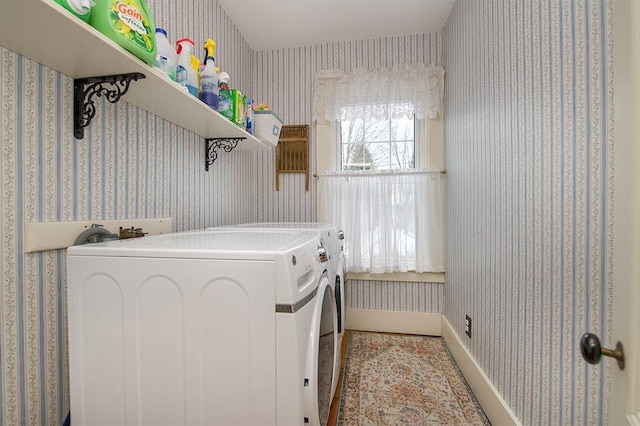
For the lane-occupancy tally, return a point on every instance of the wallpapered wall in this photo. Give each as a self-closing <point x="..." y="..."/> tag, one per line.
<point x="284" y="80"/>
<point x="529" y="174"/>
<point x="397" y="296"/>
<point x="133" y="164"/>
<point x="130" y="164"/>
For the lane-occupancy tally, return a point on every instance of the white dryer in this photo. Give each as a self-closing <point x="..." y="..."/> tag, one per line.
<point x="332" y="239"/>
<point x="201" y="328"/>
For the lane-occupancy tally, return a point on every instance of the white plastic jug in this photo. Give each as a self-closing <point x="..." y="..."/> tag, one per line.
<point x="166" y="56"/>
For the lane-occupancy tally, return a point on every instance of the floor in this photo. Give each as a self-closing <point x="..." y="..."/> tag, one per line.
<point x="335" y="403"/>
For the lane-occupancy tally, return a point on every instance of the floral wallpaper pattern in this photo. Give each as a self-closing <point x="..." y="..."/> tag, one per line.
<point x="133" y="164"/>
<point x="130" y="164"/>
<point x="529" y="160"/>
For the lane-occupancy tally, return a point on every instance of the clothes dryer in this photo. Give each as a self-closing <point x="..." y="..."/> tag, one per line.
<point x="332" y="238"/>
<point x="201" y="328"/>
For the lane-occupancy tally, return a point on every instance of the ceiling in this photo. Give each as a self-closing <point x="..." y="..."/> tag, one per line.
<point x="273" y="24"/>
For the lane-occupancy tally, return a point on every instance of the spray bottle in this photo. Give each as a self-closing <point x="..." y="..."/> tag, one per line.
<point x="195" y="64"/>
<point x="185" y="74"/>
<point x="209" y="79"/>
<point x="250" y="116"/>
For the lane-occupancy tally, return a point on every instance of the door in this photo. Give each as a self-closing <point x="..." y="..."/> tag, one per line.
<point x="321" y="356"/>
<point x="625" y="384"/>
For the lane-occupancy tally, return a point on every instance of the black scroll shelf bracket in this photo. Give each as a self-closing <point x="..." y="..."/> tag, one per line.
<point x="213" y="144"/>
<point x="113" y="87"/>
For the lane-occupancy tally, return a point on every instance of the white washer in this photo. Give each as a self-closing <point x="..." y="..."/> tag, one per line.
<point x="331" y="237"/>
<point x="201" y="328"/>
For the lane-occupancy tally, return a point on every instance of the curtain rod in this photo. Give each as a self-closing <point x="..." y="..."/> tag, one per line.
<point x="341" y="174"/>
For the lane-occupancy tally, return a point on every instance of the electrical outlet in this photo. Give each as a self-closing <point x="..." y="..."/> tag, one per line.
<point x="467" y="325"/>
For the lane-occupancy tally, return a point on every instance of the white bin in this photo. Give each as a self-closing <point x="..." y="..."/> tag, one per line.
<point x="267" y="126"/>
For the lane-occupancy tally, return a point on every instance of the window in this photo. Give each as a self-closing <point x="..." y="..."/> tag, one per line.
<point x="379" y="179"/>
<point x="376" y="144"/>
<point x="380" y="196"/>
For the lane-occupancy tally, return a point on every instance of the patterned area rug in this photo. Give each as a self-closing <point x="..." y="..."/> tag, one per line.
<point x="404" y="380"/>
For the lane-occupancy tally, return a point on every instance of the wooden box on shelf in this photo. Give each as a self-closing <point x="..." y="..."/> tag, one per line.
<point x="292" y="152"/>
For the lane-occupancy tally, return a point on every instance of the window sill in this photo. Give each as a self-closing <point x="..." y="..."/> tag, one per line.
<point x="424" y="277"/>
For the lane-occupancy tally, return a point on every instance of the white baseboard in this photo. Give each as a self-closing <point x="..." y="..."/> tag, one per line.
<point x="488" y="396"/>
<point x="414" y="277"/>
<point x="394" y="322"/>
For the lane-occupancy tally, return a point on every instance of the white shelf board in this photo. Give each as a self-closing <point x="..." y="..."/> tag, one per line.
<point x="43" y="31"/>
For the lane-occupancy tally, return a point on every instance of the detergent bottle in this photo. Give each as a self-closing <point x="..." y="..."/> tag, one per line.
<point x="185" y="74"/>
<point x="166" y="57"/>
<point x="80" y="8"/>
<point x="250" y="116"/>
<point x="209" y="88"/>
<point x="129" y="23"/>
<point x="225" y="106"/>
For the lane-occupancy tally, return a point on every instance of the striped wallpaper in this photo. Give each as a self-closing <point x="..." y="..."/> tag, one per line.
<point x="130" y="164"/>
<point x="394" y="296"/>
<point x="284" y="81"/>
<point x="528" y="126"/>
<point x="134" y="164"/>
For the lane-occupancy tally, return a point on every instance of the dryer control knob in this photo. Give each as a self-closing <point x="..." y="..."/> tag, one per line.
<point x="322" y="254"/>
<point x="340" y="235"/>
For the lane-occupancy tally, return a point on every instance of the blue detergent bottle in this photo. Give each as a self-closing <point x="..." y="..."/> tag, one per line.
<point x="209" y="85"/>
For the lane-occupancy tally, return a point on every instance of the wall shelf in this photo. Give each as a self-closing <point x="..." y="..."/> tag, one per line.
<point x="77" y="50"/>
<point x="85" y="90"/>
<point x="212" y="146"/>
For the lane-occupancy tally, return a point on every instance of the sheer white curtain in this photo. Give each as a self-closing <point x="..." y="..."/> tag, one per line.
<point x="403" y="91"/>
<point x="392" y="221"/>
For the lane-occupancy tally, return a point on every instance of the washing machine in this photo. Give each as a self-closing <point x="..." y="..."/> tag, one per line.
<point x="201" y="328"/>
<point x="332" y="238"/>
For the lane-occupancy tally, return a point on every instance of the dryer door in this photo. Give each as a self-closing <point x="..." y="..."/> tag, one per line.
<point x="321" y="357"/>
<point x="341" y="276"/>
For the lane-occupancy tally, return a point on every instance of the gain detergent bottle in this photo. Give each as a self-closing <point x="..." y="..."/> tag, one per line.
<point x="79" y="8"/>
<point x="129" y="23"/>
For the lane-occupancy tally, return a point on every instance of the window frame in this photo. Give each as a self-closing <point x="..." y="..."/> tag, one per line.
<point x="421" y="150"/>
<point x="419" y="146"/>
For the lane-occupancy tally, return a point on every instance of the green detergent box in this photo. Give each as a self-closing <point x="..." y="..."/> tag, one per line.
<point x="239" y="108"/>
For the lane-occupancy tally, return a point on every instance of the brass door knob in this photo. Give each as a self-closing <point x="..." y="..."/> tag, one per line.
<point x="592" y="350"/>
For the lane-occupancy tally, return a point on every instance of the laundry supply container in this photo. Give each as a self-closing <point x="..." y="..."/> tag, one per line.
<point x="129" y="23"/>
<point x="267" y="126"/>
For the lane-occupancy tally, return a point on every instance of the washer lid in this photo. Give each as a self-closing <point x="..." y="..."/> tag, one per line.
<point x="224" y="244"/>
<point x="284" y="225"/>
<point x="329" y="231"/>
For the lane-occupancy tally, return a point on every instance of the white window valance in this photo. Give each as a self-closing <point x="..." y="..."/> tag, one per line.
<point x="402" y="91"/>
